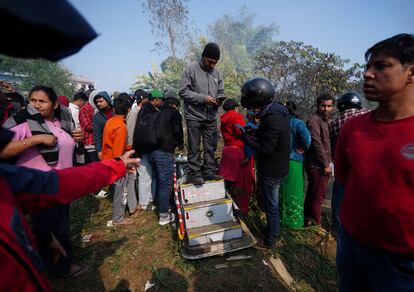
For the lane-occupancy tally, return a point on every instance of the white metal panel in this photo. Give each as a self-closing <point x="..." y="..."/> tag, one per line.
<point x="222" y="235"/>
<point x="209" y="213"/>
<point x="208" y="191"/>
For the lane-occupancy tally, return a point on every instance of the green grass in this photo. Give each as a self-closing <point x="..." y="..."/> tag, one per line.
<point x="153" y="253"/>
<point x="167" y="280"/>
<point x="307" y="256"/>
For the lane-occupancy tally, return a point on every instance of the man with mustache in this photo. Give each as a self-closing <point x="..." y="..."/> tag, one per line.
<point x="374" y="162"/>
<point x="318" y="160"/>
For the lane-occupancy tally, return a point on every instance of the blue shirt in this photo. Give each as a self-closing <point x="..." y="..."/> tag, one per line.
<point x="300" y="137"/>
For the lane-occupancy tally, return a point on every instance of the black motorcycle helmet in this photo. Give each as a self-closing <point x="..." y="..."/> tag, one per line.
<point x="349" y="100"/>
<point x="256" y="92"/>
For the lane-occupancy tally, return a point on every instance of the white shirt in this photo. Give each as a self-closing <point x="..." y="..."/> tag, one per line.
<point x="131" y="121"/>
<point x="74" y="110"/>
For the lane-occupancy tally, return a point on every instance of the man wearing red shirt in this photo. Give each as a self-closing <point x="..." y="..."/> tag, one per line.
<point x="85" y="120"/>
<point x="349" y="106"/>
<point x="374" y="162"/>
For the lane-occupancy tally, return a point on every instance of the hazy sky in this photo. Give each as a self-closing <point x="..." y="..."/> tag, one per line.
<point x="124" y="46"/>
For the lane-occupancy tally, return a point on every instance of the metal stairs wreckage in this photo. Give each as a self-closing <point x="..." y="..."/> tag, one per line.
<point x="207" y="225"/>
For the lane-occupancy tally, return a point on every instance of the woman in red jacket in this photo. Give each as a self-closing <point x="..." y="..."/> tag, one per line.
<point x="238" y="175"/>
<point x="25" y="190"/>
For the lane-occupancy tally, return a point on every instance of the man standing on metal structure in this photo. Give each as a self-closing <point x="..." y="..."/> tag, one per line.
<point x="202" y="88"/>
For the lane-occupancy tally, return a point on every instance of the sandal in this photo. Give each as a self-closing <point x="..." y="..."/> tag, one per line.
<point x="78" y="270"/>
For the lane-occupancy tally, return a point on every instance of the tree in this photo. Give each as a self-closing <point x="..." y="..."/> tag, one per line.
<point x="166" y="80"/>
<point x="236" y="35"/>
<point x="39" y="72"/>
<point x="235" y="74"/>
<point x="168" y="18"/>
<point x="239" y="39"/>
<point x="301" y="72"/>
<point x="233" y="31"/>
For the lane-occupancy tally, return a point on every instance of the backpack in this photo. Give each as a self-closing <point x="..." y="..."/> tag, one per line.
<point x="149" y="132"/>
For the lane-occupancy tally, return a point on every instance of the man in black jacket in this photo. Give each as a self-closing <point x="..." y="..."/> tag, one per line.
<point x="272" y="146"/>
<point x="162" y="159"/>
<point x="146" y="175"/>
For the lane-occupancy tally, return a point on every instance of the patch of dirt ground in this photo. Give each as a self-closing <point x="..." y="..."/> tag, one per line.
<point x="126" y="258"/>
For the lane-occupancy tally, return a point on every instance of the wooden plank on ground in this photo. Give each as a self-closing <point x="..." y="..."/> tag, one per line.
<point x="281" y="270"/>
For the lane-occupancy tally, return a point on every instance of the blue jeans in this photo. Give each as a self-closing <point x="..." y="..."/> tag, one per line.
<point x="270" y="194"/>
<point x="163" y="164"/>
<point x="365" y="269"/>
<point x="337" y="196"/>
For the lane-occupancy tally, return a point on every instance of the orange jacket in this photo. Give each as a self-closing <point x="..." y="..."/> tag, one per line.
<point x="114" y="137"/>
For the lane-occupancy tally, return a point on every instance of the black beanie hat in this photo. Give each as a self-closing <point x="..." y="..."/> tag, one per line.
<point x="212" y="51"/>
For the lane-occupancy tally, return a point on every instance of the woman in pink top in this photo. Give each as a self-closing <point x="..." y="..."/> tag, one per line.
<point x="44" y="140"/>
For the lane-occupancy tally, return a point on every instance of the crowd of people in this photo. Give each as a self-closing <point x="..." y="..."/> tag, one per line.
<point x="267" y="151"/>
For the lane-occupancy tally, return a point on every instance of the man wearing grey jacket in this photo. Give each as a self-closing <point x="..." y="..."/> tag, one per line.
<point x="202" y="88"/>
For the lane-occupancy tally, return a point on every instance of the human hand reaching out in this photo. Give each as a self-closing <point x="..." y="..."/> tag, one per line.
<point x="130" y="163"/>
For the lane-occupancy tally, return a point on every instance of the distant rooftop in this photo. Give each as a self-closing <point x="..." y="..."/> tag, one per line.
<point x="82" y="79"/>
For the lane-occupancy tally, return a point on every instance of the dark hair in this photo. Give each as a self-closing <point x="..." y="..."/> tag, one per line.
<point x="51" y="94"/>
<point x="121" y="106"/>
<point x="324" y="97"/>
<point x="80" y="95"/>
<point x="172" y="100"/>
<point x="140" y="94"/>
<point x="291" y="107"/>
<point x="15" y="97"/>
<point x="151" y="98"/>
<point x="400" y="47"/>
<point x="127" y="97"/>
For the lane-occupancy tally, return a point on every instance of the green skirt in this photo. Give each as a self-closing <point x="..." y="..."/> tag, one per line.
<point x="291" y="197"/>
